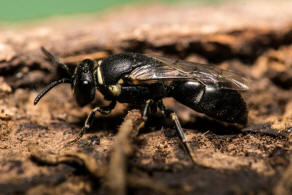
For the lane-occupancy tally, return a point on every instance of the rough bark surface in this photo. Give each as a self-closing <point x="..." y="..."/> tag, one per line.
<point x="254" y="39"/>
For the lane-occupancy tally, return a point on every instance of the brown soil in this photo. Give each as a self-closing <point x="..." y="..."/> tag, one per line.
<point x="249" y="38"/>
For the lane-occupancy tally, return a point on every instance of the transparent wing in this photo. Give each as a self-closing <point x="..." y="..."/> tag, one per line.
<point x="171" y="69"/>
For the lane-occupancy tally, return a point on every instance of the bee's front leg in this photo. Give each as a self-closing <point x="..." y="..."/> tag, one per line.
<point x="90" y="118"/>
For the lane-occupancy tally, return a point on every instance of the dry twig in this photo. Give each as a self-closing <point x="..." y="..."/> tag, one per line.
<point x="116" y="179"/>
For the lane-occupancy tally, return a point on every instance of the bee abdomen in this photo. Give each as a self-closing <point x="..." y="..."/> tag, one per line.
<point x="222" y="104"/>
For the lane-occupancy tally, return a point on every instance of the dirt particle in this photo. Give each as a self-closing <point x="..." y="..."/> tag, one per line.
<point x="30" y="126"/>
<point x="278" y="158"/>
<point x="95" y="140"/>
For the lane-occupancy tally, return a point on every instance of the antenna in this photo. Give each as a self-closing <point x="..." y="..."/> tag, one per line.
<point x="54" y="60"/>
<point x="49" y="87"/>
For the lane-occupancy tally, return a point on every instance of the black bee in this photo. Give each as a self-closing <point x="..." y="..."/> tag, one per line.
<point x="145" y="79"/>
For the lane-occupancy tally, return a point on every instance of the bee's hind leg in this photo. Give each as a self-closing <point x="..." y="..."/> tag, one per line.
<point x="173" y="116"/>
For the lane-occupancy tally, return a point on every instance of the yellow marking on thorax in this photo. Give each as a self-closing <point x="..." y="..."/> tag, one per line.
<point x="99" y="62"/>
<point x="115" y="89"/>
<point x="121" y="81"/>
<point x="99" y="76"/>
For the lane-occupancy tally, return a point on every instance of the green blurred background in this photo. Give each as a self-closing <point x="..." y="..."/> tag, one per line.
<point x="15" y="11"/>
